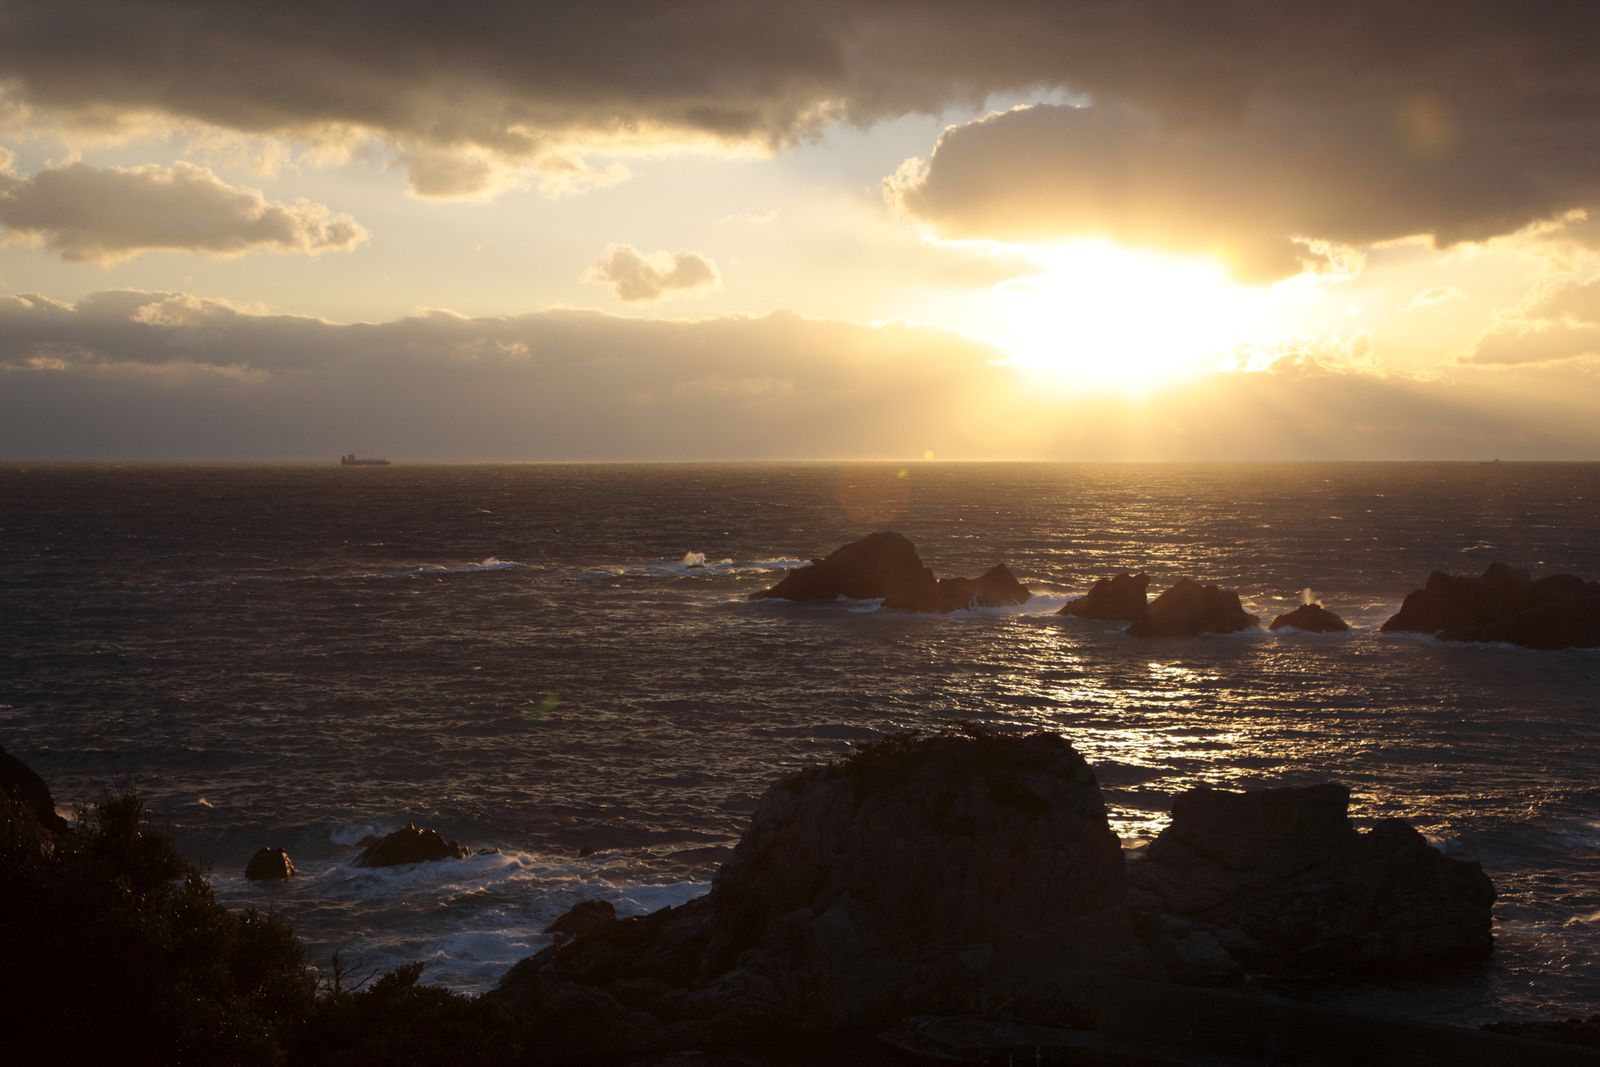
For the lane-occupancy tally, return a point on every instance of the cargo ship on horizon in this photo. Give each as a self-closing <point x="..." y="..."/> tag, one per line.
<point x="350" y="459"/>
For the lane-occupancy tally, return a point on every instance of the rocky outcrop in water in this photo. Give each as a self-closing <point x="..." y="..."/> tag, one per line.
<point x="977" y="875"/>
<point x="1121" y="598"/>
<point x="1189" y="609"/>
<point x="18" y="781"/>
<point x="1312" y="618"/>
<point x="269" y="864"/>
<point x="411" y="845"/>
<point x="1281" y="882"/>
<point x="886" y="566"/>
<point x="932" y="875"/>
<point x="1507" y="605"/>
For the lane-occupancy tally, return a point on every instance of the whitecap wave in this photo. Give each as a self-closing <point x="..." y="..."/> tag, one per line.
<point x="433" y="570"/>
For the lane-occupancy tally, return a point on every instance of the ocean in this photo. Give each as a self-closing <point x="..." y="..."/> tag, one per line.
<point x="560" y="662"/>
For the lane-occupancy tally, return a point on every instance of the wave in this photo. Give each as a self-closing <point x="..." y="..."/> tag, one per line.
<point x="432" y="570"/>
<point x="693" y="565"/>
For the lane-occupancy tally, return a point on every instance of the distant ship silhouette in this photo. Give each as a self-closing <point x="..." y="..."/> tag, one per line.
<point x="350" y="459"/>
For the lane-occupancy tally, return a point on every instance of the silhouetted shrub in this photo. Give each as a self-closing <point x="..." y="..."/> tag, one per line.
<point x="113" y="949"/>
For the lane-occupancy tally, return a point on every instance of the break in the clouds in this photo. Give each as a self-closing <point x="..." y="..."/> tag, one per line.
<point x="1562" y="323"/>
<point x="169" y="375"/>
<point x="1461" y="121"/>
<point x="636" y="277"/>
<point x="90" y="215"/>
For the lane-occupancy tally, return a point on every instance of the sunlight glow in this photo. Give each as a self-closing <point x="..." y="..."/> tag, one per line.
<point x="1107" y="317"/>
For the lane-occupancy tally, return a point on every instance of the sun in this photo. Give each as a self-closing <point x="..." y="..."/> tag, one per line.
<point x="1103" y="316"/>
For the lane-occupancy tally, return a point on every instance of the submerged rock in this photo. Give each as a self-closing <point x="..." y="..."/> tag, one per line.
<point x="1285" y="885"/>
<point x="1313" y="618"/>
<point x="1189" y="609"/>
<point x="1120" y="598"/>
<point x="411" y="845"/>
<point x="18" y="781"/>
<point x="886" y="566"/>
<point x="1507" y="605"/>
<point x="269" y="864"/>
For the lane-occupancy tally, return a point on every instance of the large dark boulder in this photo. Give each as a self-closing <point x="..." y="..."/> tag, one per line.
<point x="411" y="845"/>
<point x="1120" y="598"/>
<point x="269" y="864"/>
<point x="1282" y="883"/>
<point x="18" y="781"/>
<point x="876" y="566"/>
<point x="1189" y="609"/>
<point x="886" y="566"/>
<point x="1506" y="605"/>
<point x="1313" y="618"/>
<point x="946" y="874"/>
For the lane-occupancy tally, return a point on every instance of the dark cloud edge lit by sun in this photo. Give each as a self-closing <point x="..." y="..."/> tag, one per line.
<point x="1092" y="230"/>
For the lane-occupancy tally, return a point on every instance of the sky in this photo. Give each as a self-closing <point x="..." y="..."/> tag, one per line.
<point x="1094" y="230"/>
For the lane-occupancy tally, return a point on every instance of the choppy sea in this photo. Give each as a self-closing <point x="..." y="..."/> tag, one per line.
<point x="553" y="659"/>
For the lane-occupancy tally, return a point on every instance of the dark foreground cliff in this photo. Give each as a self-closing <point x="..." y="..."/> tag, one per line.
<point x="954" y="897"/>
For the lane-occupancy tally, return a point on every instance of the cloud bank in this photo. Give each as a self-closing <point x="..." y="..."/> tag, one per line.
<point x="102" y="216"/>
<point x="637" y="277"/>
<point x="124" y="374"/>
<point x="1389" y="99"/>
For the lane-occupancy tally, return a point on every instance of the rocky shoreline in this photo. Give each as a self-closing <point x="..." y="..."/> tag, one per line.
<point x="956" y="896"/>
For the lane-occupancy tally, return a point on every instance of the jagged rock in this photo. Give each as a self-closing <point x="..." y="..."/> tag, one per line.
<point x="919" y="876"/>
<point x="1189" y="609"/>
<point x="1504" y="604"/>
<point x="411" y="845"/>
<point x="1313" y="618"/>
<point x="269" y="864"/>
<point x="1286" y="885"/>
<point x="886" y="566"/>
<point x="1121" y="598"/>
<point x="19" y="781"/>
<point x="582" y="918"/>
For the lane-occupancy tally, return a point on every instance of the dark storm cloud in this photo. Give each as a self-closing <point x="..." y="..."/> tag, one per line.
<point x="1463" y="119"/>
<point x="91" y="215"/>
<point x="167" y="375"/>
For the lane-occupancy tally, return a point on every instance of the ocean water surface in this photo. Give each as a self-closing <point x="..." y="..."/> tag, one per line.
<point x="560" y="662"/>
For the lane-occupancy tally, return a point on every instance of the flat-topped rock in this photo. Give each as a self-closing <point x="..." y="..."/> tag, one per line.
<point x="1507" y="605"/>
<point x="885" y="566"/>
<point x="410" y="844"/>
<point x="1120" y="598"/>
<point x="1189" y="609"/>
<point x="1312" y="618"/>
<point x="1284" y="884"/>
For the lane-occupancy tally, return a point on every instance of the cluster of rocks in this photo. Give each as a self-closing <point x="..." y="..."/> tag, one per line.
<point x="1187" y="609"/>
<point x="1504" y="605"/>
<point x="979" y="875"/>
<point x="885" y="566"/>
<point x="409" y="844"/>
<point x="1507" y="605"/>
